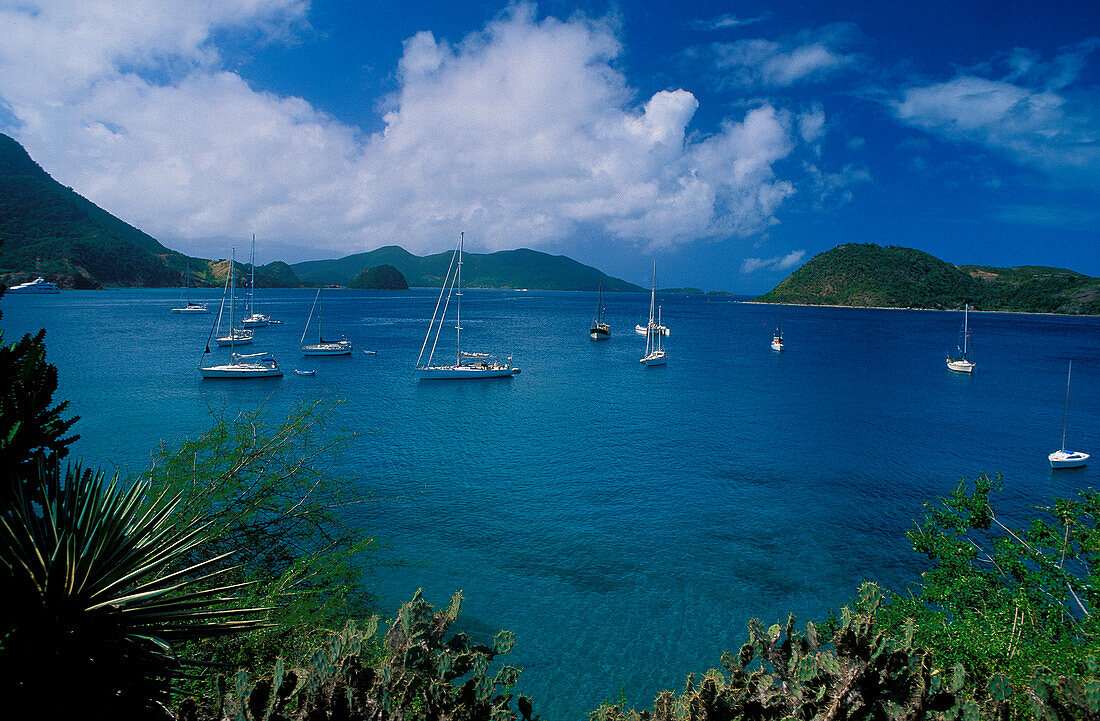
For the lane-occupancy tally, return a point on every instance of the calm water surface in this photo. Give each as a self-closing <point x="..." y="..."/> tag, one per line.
<point x="625" y="522"/>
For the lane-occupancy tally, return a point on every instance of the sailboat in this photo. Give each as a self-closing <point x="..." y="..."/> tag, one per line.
<point x="1063" y="458"/>
<point x="654" y="354"/>
<point x="960" y="362"/>
<point x="466" y="365"/>
<point x="777" y="338"/>
<point x="322" y="346"/>
<point x="235" y="336"/>
<point x="651" y="327"/>
<point x="254" y="319"/>
<point x="600" y="330"/>
<point x="191" y="307"/>
<point x="253" y="365"/>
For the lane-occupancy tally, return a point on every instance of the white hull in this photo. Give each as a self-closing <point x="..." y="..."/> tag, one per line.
<point x="38" y="285"/>
<point x="601" y="332"/>
<point x="656" y="358"/>
<point x="255" y="321"/>
<point x="244" y="338"/>
<point x="327" y="349"/>
<point x="466" y="372"/>
<point x="1068" y="459"/>
<point x="961" y="366"/>
<point x="192" y="309"/>
<point x="777" y="344"/>
<point x="661" y="329"/>
<point x="241" y="370"/>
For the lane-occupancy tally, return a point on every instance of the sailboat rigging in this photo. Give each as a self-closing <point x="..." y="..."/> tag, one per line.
<point x="467" y="364"/>
<point x="777" y="338"/>
<point x="599" y="329"/>
<point x="252" y="365"/>
<point x="191" y="306"/>
<point x="960" y="362"/>
<point x="322" y="346"/>
<point x="255" y="319"/>
<point x="1063" y="458"/>
<point x="654" y="354"/>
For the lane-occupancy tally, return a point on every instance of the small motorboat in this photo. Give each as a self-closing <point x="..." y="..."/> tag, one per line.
<point x="371" y="352"/>
<point x="305" y="373"/>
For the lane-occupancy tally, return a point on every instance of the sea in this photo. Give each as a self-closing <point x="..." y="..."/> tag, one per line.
<point x="625" y="522"/>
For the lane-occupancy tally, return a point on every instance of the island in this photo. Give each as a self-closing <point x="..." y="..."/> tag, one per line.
<point x="381" y="277"/>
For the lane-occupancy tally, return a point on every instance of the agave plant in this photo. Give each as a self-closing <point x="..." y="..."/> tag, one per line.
<point x="94" y="596"/>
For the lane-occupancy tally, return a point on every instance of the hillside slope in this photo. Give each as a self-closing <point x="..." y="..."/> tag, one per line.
<point x="504" y="269"/>
<point x="871" y="275"/>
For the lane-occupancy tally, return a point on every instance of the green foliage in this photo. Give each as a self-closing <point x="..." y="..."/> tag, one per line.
<point x="88" y="600"/>
<point x="504" y="269"/>
<point x="419" y="670"/>
<point x="278" y="515"/>
<point x="31" y="427"/>
<point x="869" y="275"/>
<point x="1016" y="607"/>
<point x="382" y="277"/>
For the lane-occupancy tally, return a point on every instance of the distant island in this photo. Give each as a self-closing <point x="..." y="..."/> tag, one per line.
<point x="382" y="277"/>
<point x="868" y="275"/>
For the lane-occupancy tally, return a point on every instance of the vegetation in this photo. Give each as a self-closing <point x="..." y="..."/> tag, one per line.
<point x="504" y="269"/>
<point x="895" y="277"/>
<point x="383" y="277"/>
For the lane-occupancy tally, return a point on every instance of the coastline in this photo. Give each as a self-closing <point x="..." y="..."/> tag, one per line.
<point x="933" y="310"/>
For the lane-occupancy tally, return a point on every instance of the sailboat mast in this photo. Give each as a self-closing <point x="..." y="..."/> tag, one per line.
<point x="966" y="327"/>
<point x="458" y="311"/>
<point x="320" y="316"/>
<point x="252" y="282"/>
<point x="232" y="297"/>
<point x="1065" y="413"/>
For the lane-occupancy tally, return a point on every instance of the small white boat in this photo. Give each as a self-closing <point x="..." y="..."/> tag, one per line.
<point x="254" y="365"/>
<point x="482" y="365"/>
<point x="191" y="307"/>
<point x="654" y="354"/>
<point x="236" y="336"/>
<point x="656" y="329"/>
<point x="254" y="319"/>
<point x="305" y="373"/>
<point x="959" y="362"/>
<point x="38" y="285"/>
<point x="599" y="330"/>
<point x="371" y="352"/>
<point x="777" y="338"/>
<point x="322" y="346"/>
<point x="1063" y="458"/>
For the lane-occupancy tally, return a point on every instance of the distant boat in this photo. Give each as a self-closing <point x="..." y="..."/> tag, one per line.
<point x="650" y="328"/>
<point x="235" y="336"/>
<point x="1063" y="458"/>
<point x="777" y="338"/>
<point x="961" y="362"/>
<point x="254" y="319"/>
<point x="254" y="365"/>
<point x="600" y="330"/>
<point x="191" y="307"/>
<point x="305" y="373"/>
<point x="654" y="354"/>
<point x="322" y="346"/>
<point x="38" y="285"/>
<point x="466" y="365"/>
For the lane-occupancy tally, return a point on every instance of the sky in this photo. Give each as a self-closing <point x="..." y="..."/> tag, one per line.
<point x="725" y="142"/>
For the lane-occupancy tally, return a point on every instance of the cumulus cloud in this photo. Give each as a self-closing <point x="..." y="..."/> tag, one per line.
<point x="779" y="262"/>
<point x="1034" y="113"/>
<point x="809" y="56"/>
<point x="523" y="134"/>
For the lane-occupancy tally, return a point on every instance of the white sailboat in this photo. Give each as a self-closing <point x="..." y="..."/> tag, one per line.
<point x="191" y="307"/>
<point x="466" y="365"/>
<point x="960" y="362"/>
<point x="235" y="336"/>
<point x="322" y="346"/>
<point x="254" y="319"/>
<point x="650" y="328"/>
<point x="253" y="365"/>
<point x="654" y="354"/>
<point x="599" y="329"/>
<point x="777" y="338"/>
<point x="1063" y="458"/>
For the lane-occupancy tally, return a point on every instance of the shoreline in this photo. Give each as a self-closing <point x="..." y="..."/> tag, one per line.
<point x="929" y="310"/>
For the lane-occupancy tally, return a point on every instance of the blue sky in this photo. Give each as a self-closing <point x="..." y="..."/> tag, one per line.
<point x="728" y="141"/>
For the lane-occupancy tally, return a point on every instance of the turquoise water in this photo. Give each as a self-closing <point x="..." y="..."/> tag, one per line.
<point x="625" y="522"/>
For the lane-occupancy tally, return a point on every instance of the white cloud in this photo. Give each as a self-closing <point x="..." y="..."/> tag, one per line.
<point x="779" y="262"/>
<point x="727" y="22"/>
<point x="523" y="134"/>
<point x="1036" y="114"/>
<point x="809" y="56"/>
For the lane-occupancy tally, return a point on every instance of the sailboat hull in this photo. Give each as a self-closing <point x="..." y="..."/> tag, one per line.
<point x="1068" y="459"/>
<point x="327" y="349"/>
<point x="468" y="372"/>
<point x="241" y="370"/>
<point x="600" y="332"/>
<point x="961" y="366"/>
<point x="195" y="309"/>
<point x="642" y="330"/>
<point x="657" y="358"/>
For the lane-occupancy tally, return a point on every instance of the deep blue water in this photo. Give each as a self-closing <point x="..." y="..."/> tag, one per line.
<point x="625" y="522"/>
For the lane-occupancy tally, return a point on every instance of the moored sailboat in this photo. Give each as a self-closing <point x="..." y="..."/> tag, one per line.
<point x="654" y="354"/>
<point x="322" y="346"/>
<point x="253" y="365"/>
<point x="1063" y="458"/>
<point x="777" y="337"/>
<point x="191" y="306"/>
<point x="467" y="364"/>
<point x="960" y="362"/>
<point x="253" y="318"/>
<point x="599" y="329"/>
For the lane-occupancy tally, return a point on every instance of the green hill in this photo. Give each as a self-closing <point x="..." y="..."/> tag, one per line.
<point x="384" y="277"/>
<point x="47" y="229"/>
<point x="504" y="269"/>
<point x="868" y="275"/>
